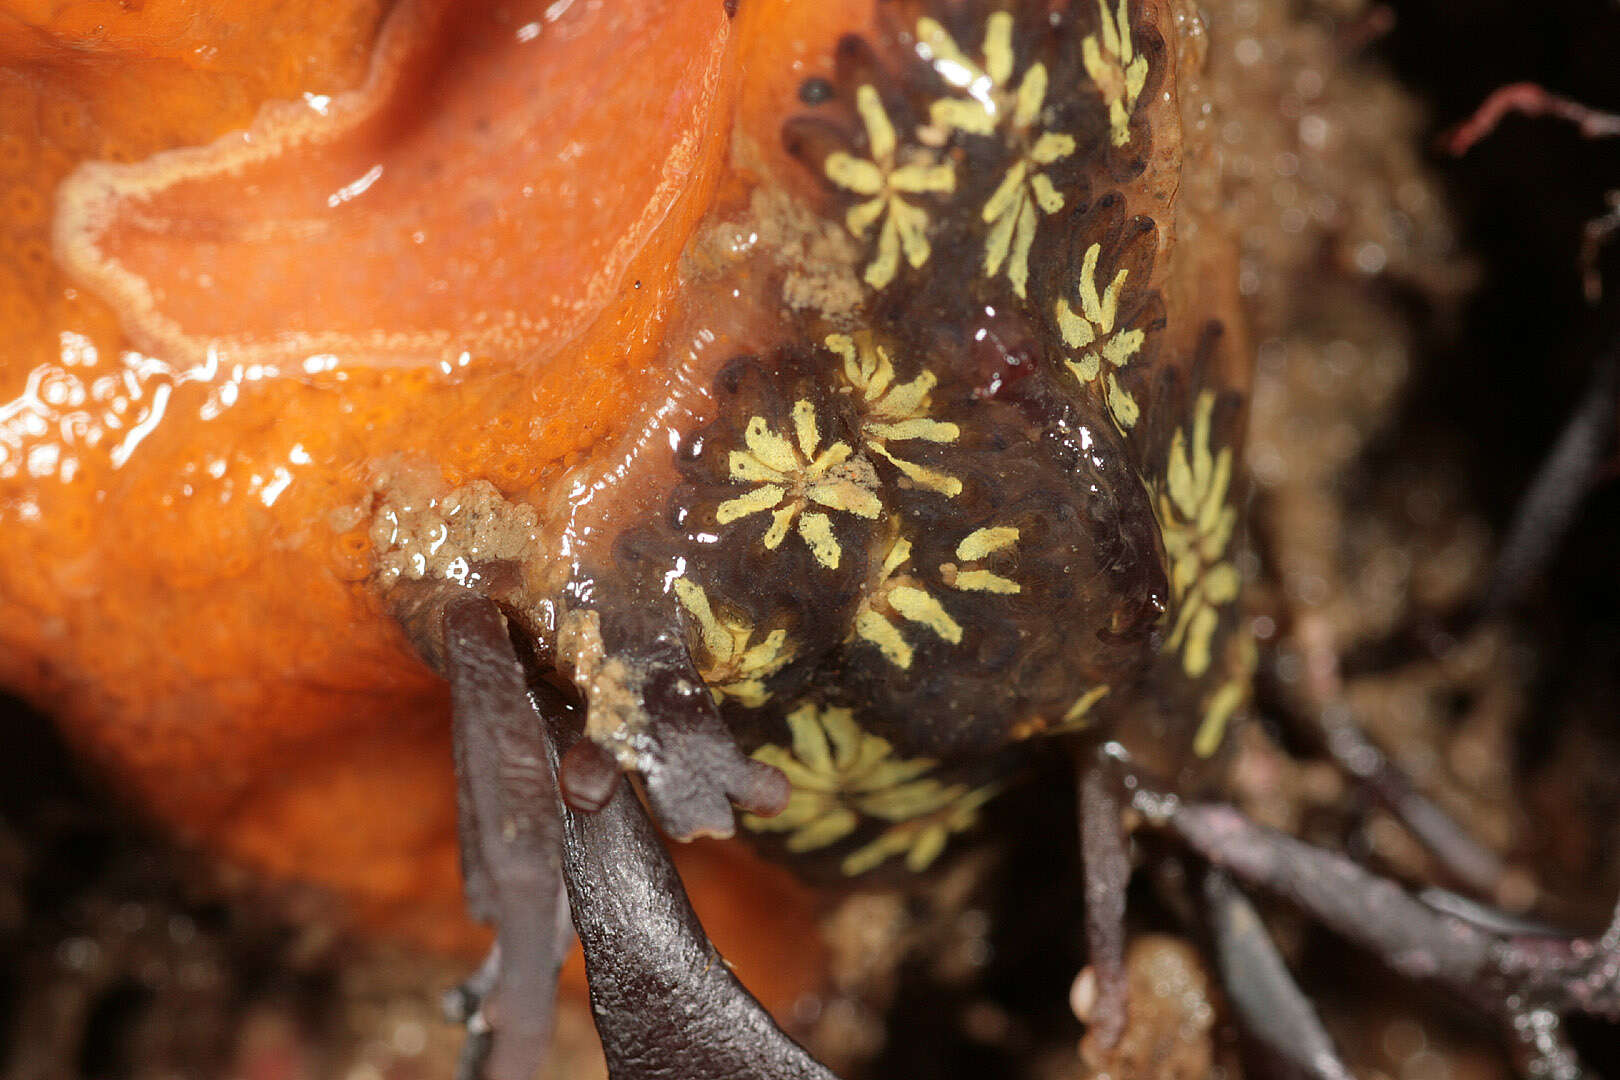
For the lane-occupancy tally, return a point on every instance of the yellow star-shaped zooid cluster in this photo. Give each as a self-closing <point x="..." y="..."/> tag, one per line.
<point x="1116" y="67"/>
<point x="1092" y="333"/>
<point x="842" y="774"/>
<point x="794" y="475"/>
<point x="884" y="183"/>
<point x="896" y="601"/>
<point x="732" y="662"/>
<point x="1197" y="523"/>
<point x="1025" y="192"/>
<point x="893" y="411"/>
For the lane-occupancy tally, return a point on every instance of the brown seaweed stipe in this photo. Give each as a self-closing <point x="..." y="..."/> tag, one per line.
<point x="1531" y="981"/>
<point x="666" y="1003"/>
<point x="588" y="776"/>
<point x="510" y="839"/>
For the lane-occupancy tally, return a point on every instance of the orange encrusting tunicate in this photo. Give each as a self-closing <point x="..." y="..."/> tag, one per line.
<point x="304" y="240"/>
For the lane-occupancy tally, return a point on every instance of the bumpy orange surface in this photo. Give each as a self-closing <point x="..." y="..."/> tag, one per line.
<point x="295" y="240"/>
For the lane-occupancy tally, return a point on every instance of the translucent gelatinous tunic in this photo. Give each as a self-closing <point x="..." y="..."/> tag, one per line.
<point x="941" y="474"/>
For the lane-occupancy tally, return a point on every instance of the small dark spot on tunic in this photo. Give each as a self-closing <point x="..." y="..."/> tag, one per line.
<point x="815" y="91"/>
